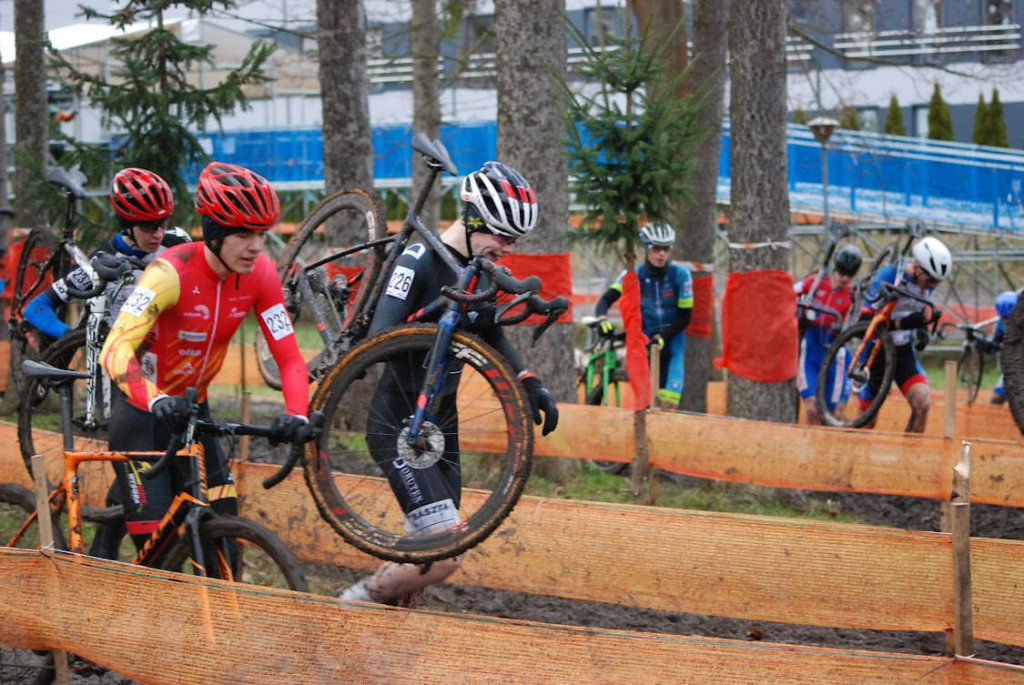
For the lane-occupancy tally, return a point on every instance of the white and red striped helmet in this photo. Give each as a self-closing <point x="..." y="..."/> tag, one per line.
<point x="504" y="199"/>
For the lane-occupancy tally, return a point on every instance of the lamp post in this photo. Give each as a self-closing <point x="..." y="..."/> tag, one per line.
<point x="822" y="128"/>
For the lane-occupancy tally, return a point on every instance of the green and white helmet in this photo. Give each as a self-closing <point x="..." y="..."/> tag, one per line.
<point x="658" y="234"/>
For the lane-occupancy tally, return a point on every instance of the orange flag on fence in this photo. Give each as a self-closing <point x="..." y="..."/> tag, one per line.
<point x="637" y="367"/>
<point x="759" y="331"/>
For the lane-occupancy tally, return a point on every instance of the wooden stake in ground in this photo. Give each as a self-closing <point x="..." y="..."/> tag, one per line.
<point x="960" y="500"/>
<point x="641" y="479"/>
<point x="45" y="524"/>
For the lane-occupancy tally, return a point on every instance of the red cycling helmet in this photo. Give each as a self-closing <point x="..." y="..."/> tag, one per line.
<point x="234" y="197"/>
<point x="140" y="196"/>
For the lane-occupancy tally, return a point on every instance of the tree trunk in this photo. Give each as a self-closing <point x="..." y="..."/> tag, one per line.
<point x="531" y="137"/>
<point x="426" y="47"/>
<point x="348" y="141"/>
<point x="31" y="121"/>
<point x="4" y="191"/>
<point x="699" y="223"/>
<point x="661" y="17"/>
<point x="760" y="199"/>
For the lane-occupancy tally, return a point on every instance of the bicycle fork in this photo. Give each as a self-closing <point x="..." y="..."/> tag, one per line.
<point x="437" y="365"/>
<point x="869" y="335"/>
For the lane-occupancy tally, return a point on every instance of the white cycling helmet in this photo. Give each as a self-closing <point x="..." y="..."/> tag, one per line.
<point x="934" y="257"/>
<point x="501" y="198"/>
<point x="658" y="234"/>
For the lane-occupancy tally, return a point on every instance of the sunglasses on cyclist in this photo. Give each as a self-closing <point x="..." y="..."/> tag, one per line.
<point x="507" y="241"/>
<point x="150" y="227"/>
<point x="660" y="248"/>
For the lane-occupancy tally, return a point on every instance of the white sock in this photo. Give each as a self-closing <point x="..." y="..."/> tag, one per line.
<point x="356" y="592"/>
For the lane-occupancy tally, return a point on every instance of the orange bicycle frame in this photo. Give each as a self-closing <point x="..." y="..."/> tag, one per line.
<point x="172" y="519"/>
<point x="882" y="316"/>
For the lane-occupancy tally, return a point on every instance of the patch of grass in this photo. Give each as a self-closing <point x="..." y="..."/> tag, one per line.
<point x="590" y="483"/>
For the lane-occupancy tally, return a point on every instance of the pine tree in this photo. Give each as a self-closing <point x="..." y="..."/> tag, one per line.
<point x="940" y="123"/>
<point x="149" y="98"/>
<point x="630" y="143"/>
<point x="996" y="124"/>
<point x="894" y="119"/>
<point x="981" y="122"/>
<point x="800" y="116"/>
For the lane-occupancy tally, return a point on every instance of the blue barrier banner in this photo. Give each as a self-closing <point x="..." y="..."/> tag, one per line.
<point x="870" y="176"/>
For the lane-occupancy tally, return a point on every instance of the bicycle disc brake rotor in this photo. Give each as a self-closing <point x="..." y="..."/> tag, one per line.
<point x="427" y="452"/>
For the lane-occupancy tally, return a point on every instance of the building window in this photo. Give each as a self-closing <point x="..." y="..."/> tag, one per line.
<point x="927" y="15"/>
<point x="600" y="24"/>
<point x="480" y="32"/>
<point x="374" y="43"/>
<point x="997" y="12"/>
<point x="859" y="16"/>
<point x="921" y="121"/>
<point x="868" y="119"/>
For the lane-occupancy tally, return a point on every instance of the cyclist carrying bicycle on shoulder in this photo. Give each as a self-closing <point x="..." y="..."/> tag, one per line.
<point x="820" y="330"/>
<point x="931" y="263"/>
<point x="499" y="208"/>
<point x="666" y="304"/>
<point x="1006" y="302"/>
<point x="174" y="332"/>
<point x="144" y="204"/>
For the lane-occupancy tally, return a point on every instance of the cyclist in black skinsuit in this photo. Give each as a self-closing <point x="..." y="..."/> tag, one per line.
<point x="500" y="207"/>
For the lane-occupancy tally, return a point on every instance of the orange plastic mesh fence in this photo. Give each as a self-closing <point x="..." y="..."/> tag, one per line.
<point x="169" y="629"/>
<point x="758" y="568"/>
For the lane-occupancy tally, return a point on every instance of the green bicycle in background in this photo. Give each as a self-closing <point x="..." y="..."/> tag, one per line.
<point x="601" y="368"/>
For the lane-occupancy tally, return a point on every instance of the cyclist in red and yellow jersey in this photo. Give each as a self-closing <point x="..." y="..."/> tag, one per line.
<point x="174" y="331"/>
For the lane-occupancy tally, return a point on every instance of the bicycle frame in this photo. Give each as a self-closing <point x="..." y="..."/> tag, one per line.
<point x="187" y="508"/>
<point x="438" y="161"/>
<point x="882" y="317"/>
<point x="601" y="351"/>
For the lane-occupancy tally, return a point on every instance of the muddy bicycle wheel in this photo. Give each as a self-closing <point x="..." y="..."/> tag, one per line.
<point x="346" y="218"/>
<point x="35" y="272"/>
<point x="464" y="476"/>
<point x="870" y="370"/>
<point x="39" y="429"/>
<point x="969" y="369"/>
<point x="243" y="551"/>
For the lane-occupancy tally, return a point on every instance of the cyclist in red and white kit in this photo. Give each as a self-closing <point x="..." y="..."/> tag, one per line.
<point x="174" y="331"/>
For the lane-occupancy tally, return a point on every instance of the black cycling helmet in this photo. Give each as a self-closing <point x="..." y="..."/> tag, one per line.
<point x="847" y="260"/>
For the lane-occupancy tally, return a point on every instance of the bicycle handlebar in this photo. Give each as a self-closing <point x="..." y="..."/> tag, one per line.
<point x="223" y="428"/>
<point x="316" y="429"/>
<point x="108" y="269"/>
<point x="820" y="308"/>
<point x="973" y="331"/>
<point x="889" y="292"/>
<point x="501" y="280"/>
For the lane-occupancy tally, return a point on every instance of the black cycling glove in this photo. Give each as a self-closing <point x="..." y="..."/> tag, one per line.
<point x="913" y="320"/>
<point x="540" y="400"/>
<point x="921" y="339"/>
<point x="173" y="412"/>
<point x="289" y="428"/>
